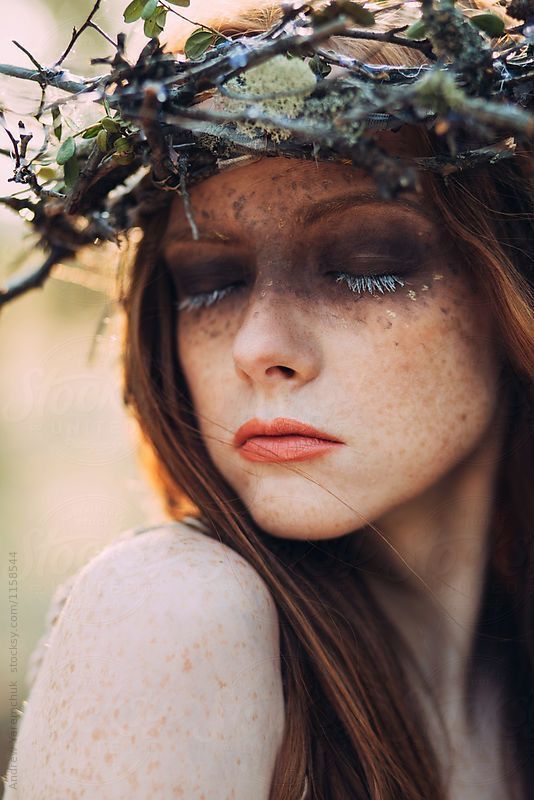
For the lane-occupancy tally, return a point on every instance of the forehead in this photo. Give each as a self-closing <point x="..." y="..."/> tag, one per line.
<point x="275" y="193"/>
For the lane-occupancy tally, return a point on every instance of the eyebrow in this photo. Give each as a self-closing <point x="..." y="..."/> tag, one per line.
<point x="323" y="208"/>
<point x="312" y="214"/>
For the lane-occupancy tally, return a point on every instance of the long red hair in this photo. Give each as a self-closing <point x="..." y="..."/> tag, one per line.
<point x="353" y="722"/>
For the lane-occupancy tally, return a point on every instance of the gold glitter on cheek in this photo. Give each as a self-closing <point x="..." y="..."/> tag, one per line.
<point x="424" y="288"/>
<point x="437" y="276"/>
<point x="391" y="314"/>
<point x="412" y="295"/>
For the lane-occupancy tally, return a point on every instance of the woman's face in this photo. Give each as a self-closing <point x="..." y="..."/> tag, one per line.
<point x="405" y="379"/>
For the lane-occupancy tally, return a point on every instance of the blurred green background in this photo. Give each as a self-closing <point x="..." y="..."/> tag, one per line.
<point x="70" y="482"/>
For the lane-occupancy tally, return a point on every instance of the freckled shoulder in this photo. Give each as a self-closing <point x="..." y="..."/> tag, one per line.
<point x="173" y="551"/>
<point x="161" y="678"/>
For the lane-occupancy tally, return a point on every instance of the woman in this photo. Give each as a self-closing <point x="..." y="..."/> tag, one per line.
<point x="356" y="626"/>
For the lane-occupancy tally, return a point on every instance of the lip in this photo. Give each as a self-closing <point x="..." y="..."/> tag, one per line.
<point x="282" y="439"/>
<point x="280" y="426"/>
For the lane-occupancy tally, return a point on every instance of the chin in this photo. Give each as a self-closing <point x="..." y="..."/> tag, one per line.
<point x="303" y="516"/>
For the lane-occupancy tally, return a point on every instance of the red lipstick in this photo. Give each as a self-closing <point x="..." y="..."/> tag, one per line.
<point x="282" y="439"/>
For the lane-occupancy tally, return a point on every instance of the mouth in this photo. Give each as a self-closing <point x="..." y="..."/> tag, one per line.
<point x="282" y="439"/>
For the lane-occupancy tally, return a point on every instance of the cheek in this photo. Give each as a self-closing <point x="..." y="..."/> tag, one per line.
<point x="203" y="354"/>
<point x="421" y="379"/>
<point x="403" y="372"/>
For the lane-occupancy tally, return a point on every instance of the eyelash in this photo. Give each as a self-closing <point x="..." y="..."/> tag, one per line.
<point x="358" y="284"/>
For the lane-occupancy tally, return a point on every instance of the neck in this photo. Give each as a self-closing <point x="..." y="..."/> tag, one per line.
<point x="428" y="570"/>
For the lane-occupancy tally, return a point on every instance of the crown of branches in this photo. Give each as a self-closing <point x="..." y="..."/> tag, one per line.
<point x="168" y="121"/>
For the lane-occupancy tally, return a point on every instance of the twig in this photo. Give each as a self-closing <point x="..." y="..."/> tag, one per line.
<point x="22" y="172"/>
<point x="424" y="45"/>
<point x="447" y="97"/>
<point x="15" y="144"/>
<point x="504" y="53"/>
<point x="528" y="76"/>
<point x="363" y="152"/>
<point x="25" y="139"/>
<point x="296" y="126"/>
<point x="39" y="112"/>
<point x="18" y="284"/>
<point x="226" y="66"/>
<point x="198" y="24"/>
<point x="17" y="203"/>
<point x="99" y="30"/>
<point x="27" y="52"/>
<point x="185" y="197"/>
<point x="148" y="119"/>
<point x="53" y="78"/>
<point x="446" y="165"/>
<point x="44" y="145"/>
<point x="372" y="71"/>
<point x="77" y="33"/>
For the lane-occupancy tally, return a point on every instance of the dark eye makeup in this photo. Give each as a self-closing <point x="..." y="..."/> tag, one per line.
<point x="372" y="264"/>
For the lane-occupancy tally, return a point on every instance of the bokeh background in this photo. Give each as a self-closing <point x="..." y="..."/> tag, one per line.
<point x="70" y="477"/>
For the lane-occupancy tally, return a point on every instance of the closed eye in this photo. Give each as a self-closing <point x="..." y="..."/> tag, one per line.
<point x="360" y="284"/>
<point x="193" y="302"/>
<point x="369" y="283"/>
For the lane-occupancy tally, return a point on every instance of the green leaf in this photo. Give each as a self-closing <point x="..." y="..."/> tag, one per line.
<point x="132" y="12"/>
<point x="153" y="26"/>
<point x="66" y="151"/>
<point x="71" y="171"/>
<point x="109" y="125"/>
<point x="91" y="132"/>
<point x="197" y="44"/>
<point x="102" y="141"/>
<point x="56" y="121"/>
<point x="489" y="23"/>
<point x="122" y="145"/>
<point x="149" y="9"/>
<point x="161" y="17"/>
<point x="358" y="13"/>
<point x="183" y="3"/>
<point x="416" y="31"/>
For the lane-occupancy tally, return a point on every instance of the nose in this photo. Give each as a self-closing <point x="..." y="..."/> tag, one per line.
<point x="276" y="343"/>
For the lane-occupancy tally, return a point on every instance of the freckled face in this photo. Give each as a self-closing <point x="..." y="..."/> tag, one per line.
<point x="406" y="379"/>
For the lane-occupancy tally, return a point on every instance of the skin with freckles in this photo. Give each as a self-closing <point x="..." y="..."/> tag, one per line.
<point x="176" y="696"/>
<point x="408" y="380"/>
<point x="405" y="379"/>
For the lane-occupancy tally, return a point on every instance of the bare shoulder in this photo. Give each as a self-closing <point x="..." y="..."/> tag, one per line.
<point x="162" y="677"/>
<point x="175" y="557"/>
